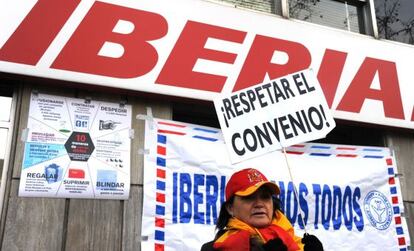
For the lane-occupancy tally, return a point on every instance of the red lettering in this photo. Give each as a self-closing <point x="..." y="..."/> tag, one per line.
<point x="139" y="57"/>
<point x="178" y="69"/>
<point x="36" y="32"/>
<point x="412" y="115"/>
<point x="330" y="72"/>
<point x="359" y="89"/>
<point x="258" y="61"/>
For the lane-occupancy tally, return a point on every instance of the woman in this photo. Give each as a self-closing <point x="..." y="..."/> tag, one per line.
<point x="251" y="219"/>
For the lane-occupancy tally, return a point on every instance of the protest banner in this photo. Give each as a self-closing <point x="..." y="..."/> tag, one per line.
<point x="274" y="114"/>
<point x="350" y="195"/>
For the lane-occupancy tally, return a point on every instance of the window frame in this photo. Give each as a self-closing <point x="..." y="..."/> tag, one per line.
<point x="9" y="125"/>
<point x="367" y="18"/>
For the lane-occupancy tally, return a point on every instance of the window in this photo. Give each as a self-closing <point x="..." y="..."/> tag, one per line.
<point x="350" y="15"/>
<point x="268" y="6"/>
<point x="5" y="106"/>
<point x="6" y="126"/>
<point x="195" y="113"/>
<point x="395" y="20"/>
<point x="346" y="15"/>
<point x="3" y="138"/>
<point x="5" y="110"/>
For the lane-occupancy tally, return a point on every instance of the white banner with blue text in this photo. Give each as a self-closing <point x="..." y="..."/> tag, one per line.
<point x="349" y="196"/>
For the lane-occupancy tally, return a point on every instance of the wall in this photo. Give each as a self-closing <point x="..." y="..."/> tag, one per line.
<point x="82" y="224"/>
<point x="77" y="224"/>
<point x="403" y="146"/>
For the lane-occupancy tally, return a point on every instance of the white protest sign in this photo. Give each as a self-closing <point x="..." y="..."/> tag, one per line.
<point x="273" y="114"/>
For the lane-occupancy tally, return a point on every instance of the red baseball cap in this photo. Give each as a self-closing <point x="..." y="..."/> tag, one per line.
<point x="247" y="181"/>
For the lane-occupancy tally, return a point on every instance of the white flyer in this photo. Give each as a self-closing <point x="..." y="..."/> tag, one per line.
<point x="76" y="148"/>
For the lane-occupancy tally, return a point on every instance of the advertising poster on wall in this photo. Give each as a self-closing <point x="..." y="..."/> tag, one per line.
<point x="348" y="196"/>
<point x="76" y="148"/>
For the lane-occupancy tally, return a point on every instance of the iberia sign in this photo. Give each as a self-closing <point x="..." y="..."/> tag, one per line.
<point x="197" y="49"/>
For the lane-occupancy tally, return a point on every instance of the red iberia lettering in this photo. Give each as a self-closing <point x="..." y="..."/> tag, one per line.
<point x="36" y="32"/>
<point x="412" y="115"/>
<point x="258" y="61"/>
<point x="330" y="73"/>
<point x="360" y="88"/>
<point x="81" y="53"/>
<point x="116" y="41"/>
<point x="178" y="69"/>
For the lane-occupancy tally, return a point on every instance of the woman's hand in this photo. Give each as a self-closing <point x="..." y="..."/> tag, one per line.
<point x="312" y="243"/>
<point x="275" y="244"/>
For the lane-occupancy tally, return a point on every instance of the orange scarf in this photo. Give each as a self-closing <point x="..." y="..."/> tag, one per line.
<point x="237" y="236"/>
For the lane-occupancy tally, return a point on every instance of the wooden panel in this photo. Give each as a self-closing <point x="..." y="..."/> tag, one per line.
<point x="23" y="115"/>
<point x="403" y="145"/>
<point x="76" y="224"/>
<point x="33" y="223"/>
<point x="159" y="110"/>
<point x="138" y="107"/>
<point x="100" y="96"/>
<point x="131" y="233"/>
<point x="94" y="225"/>
<point x="409" y="214"/>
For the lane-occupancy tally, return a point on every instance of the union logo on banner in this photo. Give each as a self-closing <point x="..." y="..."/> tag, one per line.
<point x="378" y="210"/>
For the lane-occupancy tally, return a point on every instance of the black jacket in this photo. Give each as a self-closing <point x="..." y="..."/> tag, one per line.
<point x="254" y="246"/>
<point x="207" y="246"/>
<point x="312" y="243"/>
